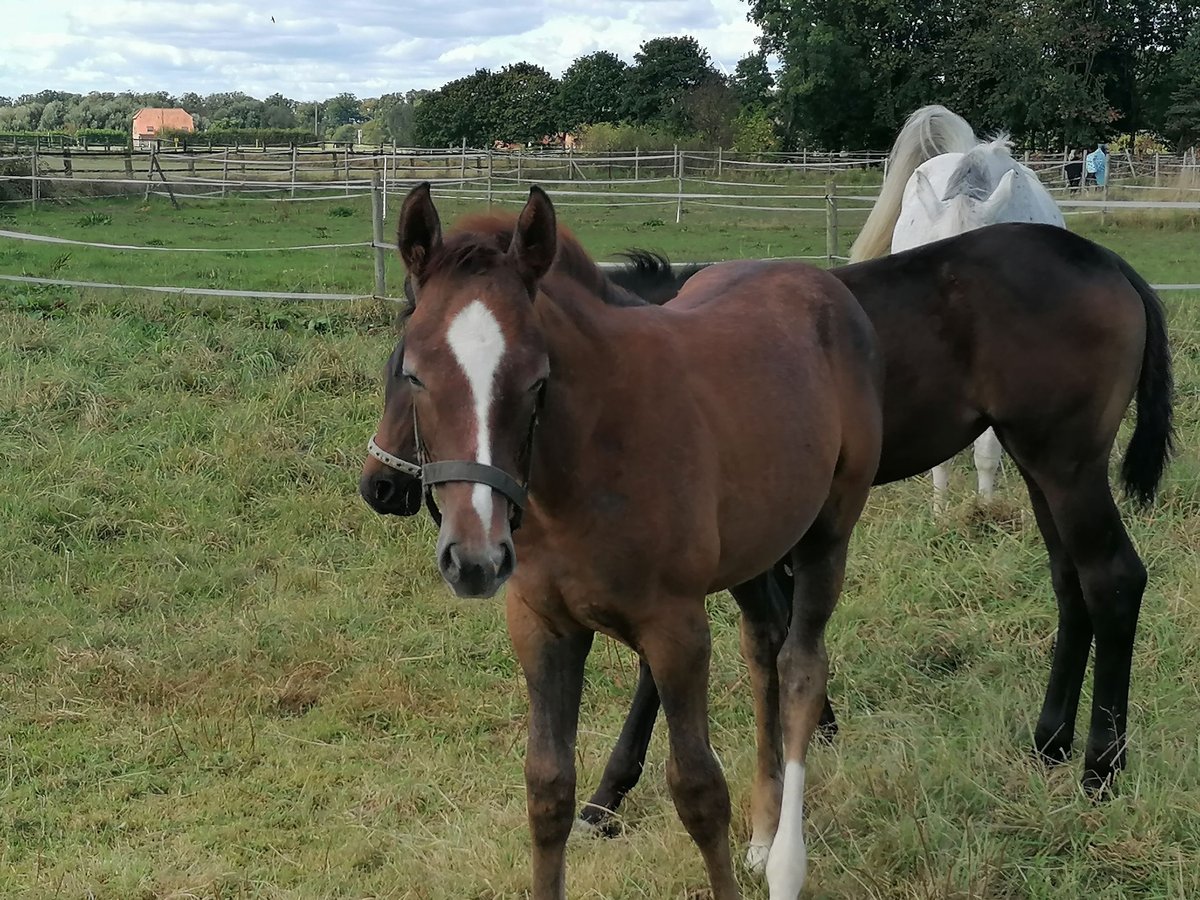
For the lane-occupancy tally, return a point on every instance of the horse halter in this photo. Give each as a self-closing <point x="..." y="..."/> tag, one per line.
<point x="402" y="466"/>
<point x="463" y="470"/>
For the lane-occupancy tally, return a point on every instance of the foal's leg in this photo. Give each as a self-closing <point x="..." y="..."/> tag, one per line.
<point x="1055" y="731"/>
<point x="765" y="614"/>
<point x="819" y="564"/>
<point x="553" y="660"/>
<point x="1112" y="580"/>
<point x="987" y="462"/>
<point x="624" y="766"/>
<point x="678" y="646"/>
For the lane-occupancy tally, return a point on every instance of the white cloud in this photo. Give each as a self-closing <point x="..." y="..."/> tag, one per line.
<point x="316" y="48"/>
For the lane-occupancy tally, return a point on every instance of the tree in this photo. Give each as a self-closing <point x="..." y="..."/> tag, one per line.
<point x="711" y="108"/>
<point x="753" y="131"/>
<point x="665" y="71"/>
<point x="523" y="103"/>
<point x="853" y="69"/>
<point x="459" y="110"/>
<point x="1182" y="117"/>
<point x="752" y="81"/>
<point x="279" y="112"/>
<point x="593" y="89"/>
<point x="344" y="109"/>
<point x="53" y="117"/>
<point x="398" y="112"/>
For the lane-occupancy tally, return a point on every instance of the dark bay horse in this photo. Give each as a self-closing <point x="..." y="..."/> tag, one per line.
<point x="615" y="464"/>
<point x="1089" y="333"/>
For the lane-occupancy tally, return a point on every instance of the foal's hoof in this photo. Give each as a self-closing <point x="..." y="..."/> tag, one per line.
<point x="827" y="731"/>
<point x="1052" y="753"/>
<point x="597" y="821"/>
<point x="756" y="858"/>
<point x="1100" y="773"/>
<point x="827" y="727"/>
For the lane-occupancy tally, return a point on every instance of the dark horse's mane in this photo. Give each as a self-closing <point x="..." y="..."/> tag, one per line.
<point x="479" y="241"/>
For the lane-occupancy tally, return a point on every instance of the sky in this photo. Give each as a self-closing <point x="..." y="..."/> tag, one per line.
<point x="317" y="48"/>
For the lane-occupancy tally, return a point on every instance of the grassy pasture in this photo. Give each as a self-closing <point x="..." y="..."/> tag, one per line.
<point x="222" y="676"/>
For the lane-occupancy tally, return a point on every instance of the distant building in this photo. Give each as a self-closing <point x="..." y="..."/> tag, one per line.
<point x="149" y="124"/>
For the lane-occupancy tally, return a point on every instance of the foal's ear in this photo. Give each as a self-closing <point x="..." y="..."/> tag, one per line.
<point x="420" y="231"/>
<point x="535" y="240"/>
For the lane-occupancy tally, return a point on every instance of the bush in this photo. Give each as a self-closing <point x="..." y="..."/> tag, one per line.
<point x="754" y="132"/>
<point x="606" y="138"/>
<point x="249" y="137"/>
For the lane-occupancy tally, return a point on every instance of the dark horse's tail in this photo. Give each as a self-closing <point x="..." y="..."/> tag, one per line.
<point x="1153" y="435"/>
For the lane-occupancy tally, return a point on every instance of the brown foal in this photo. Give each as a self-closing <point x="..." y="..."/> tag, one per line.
<point x="615" y="464"/>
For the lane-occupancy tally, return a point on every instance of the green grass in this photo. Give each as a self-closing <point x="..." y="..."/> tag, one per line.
<point x="222" y="676"/>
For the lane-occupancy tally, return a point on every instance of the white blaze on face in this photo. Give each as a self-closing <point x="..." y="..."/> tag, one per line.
<point x="477" y="343"/>
<point x="788" y="861"/>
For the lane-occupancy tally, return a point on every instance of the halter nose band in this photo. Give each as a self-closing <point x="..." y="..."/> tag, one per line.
<point x="477" y="473"/>
<point x="391" y="461"/>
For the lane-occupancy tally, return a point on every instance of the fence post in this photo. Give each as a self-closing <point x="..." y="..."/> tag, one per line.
<point x="377" y="236"/>
<point x="720" y="154"/>
<point x="831" y="221"/>
<point x="675" y="163"/>
<point x="1104" y="198"/>
<point x="463" y="172"/>
<point x="679" y="188"/>
<point x="33" y="172"/>
<point x="636" y="160"/>
<point x="520" y="155"/>
<point x="347" y="168"/>
<point x="67" y="162"/>
<point x="149" y="174"/>
<point x="489" y="180"/>
<point x="129" y="163"/>
<point x="1157" y="156"/>
<point x="385" y="176"/>
<point x="225" y="173"/>
<point x="293" y="169"/>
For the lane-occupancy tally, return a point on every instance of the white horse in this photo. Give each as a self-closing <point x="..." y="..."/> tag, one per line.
<point x="943" y="181"/>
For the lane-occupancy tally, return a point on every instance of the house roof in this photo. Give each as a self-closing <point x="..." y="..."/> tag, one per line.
<point x="160" y="118"/>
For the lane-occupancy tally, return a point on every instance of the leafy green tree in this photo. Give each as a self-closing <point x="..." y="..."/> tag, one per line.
<point x="752" y="81"/>
<point x="279" y="112"/>
<point x="1182" y="117"/>
<point x="459" y="110"/>
<point x="593" y="89"/>
<point x="523" y="103"/>
<point x="753" y="131"/>
<point x="853" y="69"/>
<point x="665" y="71"/>
<point x="344" y="109"/>
<point x="54" y="116"/>
<point x="711" y="108"/>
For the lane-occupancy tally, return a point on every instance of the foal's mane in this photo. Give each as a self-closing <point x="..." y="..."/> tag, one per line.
<point x="479" y="241"/>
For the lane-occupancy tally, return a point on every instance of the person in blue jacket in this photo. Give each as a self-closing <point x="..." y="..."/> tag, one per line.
<point x="1097" y="165"/>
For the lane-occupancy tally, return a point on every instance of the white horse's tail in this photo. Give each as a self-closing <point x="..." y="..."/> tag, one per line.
<point x="929" y="132"/>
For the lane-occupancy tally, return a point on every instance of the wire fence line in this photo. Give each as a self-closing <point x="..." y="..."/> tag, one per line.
<point x="696" y="179"/>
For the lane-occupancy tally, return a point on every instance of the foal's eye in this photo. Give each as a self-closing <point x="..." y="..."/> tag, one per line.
<point x="413" y="380"/>
<point x="537" y="385"/>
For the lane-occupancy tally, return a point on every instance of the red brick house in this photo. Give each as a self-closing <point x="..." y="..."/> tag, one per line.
<point x="149" y="123"/>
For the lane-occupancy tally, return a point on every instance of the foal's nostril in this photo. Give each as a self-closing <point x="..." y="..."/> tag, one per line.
<point x="508" y="561"/>
<point x="384" y="489"/>
<point x="449" y="562"/>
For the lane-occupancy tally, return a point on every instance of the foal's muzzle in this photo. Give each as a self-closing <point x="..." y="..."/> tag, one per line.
<point x="478" y="573"/>
<point x="393" y="490"/>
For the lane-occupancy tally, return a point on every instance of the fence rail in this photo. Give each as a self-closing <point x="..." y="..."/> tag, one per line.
<point x="797" y="183"/>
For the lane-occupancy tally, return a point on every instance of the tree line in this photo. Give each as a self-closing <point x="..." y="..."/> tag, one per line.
<point x="844" y="75"/>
